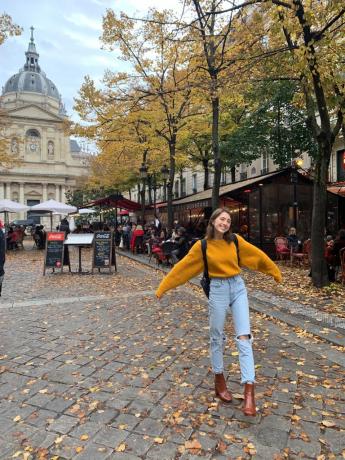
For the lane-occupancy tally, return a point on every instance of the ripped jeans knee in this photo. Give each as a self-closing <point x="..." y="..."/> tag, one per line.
<point x="245" y="353"/>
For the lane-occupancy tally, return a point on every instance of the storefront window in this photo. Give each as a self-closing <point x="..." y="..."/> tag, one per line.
<point x="254" y="217"/>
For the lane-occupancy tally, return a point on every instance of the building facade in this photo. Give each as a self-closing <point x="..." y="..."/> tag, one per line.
<point x="50" y="163"/>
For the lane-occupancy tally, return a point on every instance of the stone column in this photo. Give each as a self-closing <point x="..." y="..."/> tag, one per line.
<point x="21" y="198"/>
<point x="63" y="191"/>
<point x="2" y="190"/>
<point x="8" y="190"/>
<point x="45" y="192"/>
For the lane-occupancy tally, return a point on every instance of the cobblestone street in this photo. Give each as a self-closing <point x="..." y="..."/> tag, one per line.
<point x="94" y="367"/>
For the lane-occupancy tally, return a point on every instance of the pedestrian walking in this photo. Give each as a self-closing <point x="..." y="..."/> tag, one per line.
<point x="227" y="292"/>
<point x="2" y="255"/>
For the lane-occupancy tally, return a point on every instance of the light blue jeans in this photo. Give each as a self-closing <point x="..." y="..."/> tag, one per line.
<point x="226" y="294"/>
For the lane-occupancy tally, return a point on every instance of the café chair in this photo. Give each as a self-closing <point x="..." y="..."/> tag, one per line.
<point x="304" y="257"/>
<point x="282" y="248"/>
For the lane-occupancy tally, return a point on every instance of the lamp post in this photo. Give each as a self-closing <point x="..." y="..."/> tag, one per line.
<point x="296" y="163"/>
<point x="143" y="176"/>
<point x="165" y="175"/>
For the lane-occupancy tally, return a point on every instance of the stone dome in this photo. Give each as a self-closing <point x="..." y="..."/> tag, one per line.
<point x="31" y="78"/>
<point x="37" y="82"/>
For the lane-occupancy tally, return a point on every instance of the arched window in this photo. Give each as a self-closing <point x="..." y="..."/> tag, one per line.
<point x="32" y="133"/>
<point x="33" y="141"/>
<point x="253" y="171"/>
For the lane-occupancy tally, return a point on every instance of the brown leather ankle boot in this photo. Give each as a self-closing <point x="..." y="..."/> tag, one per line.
<point x="249" y="400"/>
<point x="220" y="388"/>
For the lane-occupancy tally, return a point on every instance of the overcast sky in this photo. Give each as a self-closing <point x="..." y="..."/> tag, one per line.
<point x="67" y="39"/>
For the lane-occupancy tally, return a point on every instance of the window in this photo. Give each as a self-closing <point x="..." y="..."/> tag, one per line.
<point x="194" y="183"/>
<point x="33" y="141"/>
<point x="183" y="187"/>
<point x="253" y="171"/>
<point x="223" y="178"/>
<point x="243" y="171"/>
<point x="176" y="193"/>
<point x="264" y="163"/>
<point x="341" y="165"/>
<point x="32" y="133"/>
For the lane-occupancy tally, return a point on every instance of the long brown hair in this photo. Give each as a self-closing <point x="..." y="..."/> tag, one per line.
<point x="210" y="227"/>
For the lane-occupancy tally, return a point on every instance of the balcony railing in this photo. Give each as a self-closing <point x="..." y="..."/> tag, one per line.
<point x="264" y="171"/>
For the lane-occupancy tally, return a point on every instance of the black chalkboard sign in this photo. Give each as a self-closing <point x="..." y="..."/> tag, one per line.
<point x="54" y="251"/>
<point x="102" y="250"/>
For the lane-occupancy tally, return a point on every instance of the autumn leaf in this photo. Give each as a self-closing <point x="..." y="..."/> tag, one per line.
<point x="221" y="447"/>
<point x="121" y="447"/>
<point x="17" y="418"/>
<point x="328" y="423"/>
<point x="59" y="439"/>
<point x="84" y="437"/>
<point x="158" y="440"/>
<point x="194" y="444"/>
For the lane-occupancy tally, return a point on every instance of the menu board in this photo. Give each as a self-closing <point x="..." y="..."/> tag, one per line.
<point x="54" y="251"/>
<point x="102" y="250"/>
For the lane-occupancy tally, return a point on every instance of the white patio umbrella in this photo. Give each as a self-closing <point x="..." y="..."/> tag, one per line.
<point x="7" y="206"/>
<point x="53" y="206"/>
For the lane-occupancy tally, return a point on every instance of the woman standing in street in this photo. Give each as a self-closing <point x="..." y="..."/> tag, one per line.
<point x="227" y="291"/>
<point x="2" y="254"/>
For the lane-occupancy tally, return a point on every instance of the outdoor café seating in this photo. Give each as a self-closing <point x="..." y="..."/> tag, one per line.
<point x="282" y="248"/>
<point x="302" y="258"/>
<point x="342" y="267"/>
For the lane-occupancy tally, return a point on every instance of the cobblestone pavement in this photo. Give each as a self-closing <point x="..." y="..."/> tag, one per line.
<point x="93" y="367"/>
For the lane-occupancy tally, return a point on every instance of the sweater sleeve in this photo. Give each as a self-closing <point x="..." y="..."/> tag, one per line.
<point x="189" y="267"/>
<point x="255" y="259"/>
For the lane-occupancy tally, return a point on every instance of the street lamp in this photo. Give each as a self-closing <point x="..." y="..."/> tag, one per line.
<point x="165" y="175"/>
<point x="296" y="163"/>
<point x="143" y="176"/>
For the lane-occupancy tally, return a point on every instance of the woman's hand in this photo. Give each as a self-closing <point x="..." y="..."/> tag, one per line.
<point x="278" y="279"/>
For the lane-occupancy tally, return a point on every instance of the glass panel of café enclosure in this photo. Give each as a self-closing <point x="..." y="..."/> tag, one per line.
<point x="333" y="208"/>
<point x="304" y="198"/>
<point x="254" y="217"/>
<point x="270" y="211"/>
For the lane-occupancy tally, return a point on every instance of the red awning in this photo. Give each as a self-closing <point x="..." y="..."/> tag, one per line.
<point x="116" y="201"/>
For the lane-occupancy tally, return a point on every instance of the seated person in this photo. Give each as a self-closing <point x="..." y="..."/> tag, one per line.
<point x="182" y="245"/>
<point x="339" y="243"/>
<point x="40" y="236"/>
<point x="11" y="239"/>
<point x="330" y="259"/>
<point x="293" y="242"/>
<point x="138" y="231"/>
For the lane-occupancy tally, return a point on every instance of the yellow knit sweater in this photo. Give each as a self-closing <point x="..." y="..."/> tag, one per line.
<point x="222" y="263"/>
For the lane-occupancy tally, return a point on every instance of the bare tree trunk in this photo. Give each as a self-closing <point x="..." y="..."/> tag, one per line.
<point x="206" y="173"/>
<point x="170" y="184"/>
<point x="319" y="265"/>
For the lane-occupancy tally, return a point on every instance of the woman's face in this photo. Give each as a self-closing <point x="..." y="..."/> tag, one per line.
<point x="222" y="223"/>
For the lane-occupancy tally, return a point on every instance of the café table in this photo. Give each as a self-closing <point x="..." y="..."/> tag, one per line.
<point x="80" y="240"/>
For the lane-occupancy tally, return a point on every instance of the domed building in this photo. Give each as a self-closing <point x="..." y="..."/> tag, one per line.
<point x="49" y="161"/>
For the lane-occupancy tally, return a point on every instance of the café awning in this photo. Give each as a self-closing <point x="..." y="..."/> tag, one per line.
<point x="116" y="201"/>
<point x="337" y="188"/>
<point x="203" y="199"/>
